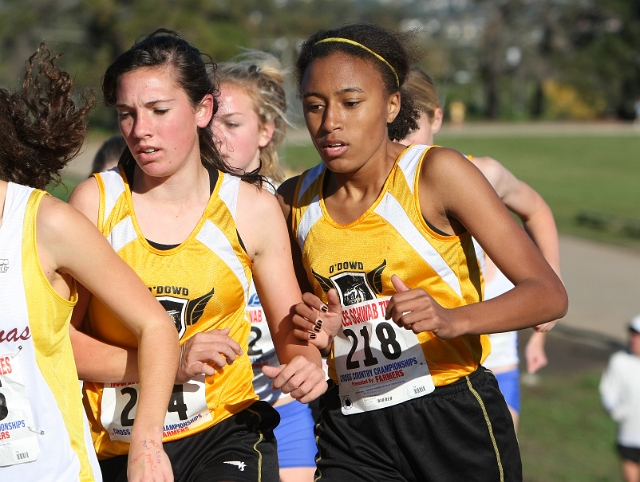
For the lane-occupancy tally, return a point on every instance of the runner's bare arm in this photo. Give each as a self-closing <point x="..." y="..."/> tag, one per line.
<point x="536" y="217"/>
<point x="262" y="227"/>
<point x="534" y="352"/>
<point x="68" y="243"/>
<point x="286" y="191"/>
<point x="96" y="360"/>
<point x="313" y="320"/>
<point x="454" y="197"/>
<point x="527" y="204"/>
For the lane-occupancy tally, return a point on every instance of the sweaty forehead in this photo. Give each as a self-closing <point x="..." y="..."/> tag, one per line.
<point x="338" y="72"/>
<point x="143" y="78"/>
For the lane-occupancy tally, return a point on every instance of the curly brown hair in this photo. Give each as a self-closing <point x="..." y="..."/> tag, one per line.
<point x="41" y="128"/>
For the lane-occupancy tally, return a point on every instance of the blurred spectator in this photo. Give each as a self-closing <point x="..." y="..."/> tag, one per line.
<point x="620" y="391"/>
<point x="457" y="112"/>
<point x="108" y="154"/>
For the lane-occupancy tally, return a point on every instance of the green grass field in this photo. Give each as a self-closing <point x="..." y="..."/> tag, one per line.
<point x="596" y="178"/>
<point x="565" y="435"/>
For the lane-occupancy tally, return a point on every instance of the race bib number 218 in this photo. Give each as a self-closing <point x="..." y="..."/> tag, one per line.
<point x="378" y="364"/>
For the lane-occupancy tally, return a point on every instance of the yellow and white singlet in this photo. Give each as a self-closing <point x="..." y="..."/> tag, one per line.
<point x="203" y="283"/>
<point x="378" y="360"/>
<point x="43" y="431"/>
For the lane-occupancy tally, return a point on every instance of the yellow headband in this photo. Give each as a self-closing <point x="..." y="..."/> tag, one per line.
<point x="353" y="42"/>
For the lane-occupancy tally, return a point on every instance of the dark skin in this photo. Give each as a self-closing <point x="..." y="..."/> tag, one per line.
<point x="346" y="110"/>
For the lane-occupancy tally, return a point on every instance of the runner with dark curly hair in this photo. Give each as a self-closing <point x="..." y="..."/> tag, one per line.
<point x="45" y="245"/>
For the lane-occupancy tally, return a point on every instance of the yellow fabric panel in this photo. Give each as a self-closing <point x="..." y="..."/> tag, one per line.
<point x="486" y="347"/>
<point x="193" y="274"/>
<point x="49" y="317"/>
<point x="371" y="245"/>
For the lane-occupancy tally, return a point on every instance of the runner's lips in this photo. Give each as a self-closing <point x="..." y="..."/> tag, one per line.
<point x="334" y="148"/>
<point x="147" y="153"/>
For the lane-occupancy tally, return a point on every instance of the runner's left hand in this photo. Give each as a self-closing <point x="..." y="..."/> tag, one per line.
<point x="300" y="378"/>
<point x="316" y="322"/>
<point x="148" y="461"/>
<point x="534" y="352"/>
<point x="545" y="327"/>
<point x="416" y="310"/>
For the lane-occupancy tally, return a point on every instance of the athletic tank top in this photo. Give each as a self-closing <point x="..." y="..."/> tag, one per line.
<point x="40" y="399"/>
<point x="203" y="283"/>
<point x="503" y="346"/>
<point x="391" y="237"/>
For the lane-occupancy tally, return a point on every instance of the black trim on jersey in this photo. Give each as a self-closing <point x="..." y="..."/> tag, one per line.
<point x="240" y="241"/>
<point x="433" y="228"/>
<point x="160" y="246"/>
<point x="214" y="175"/>
<point x="129" y="168"/>
<point x="325" y="182"/>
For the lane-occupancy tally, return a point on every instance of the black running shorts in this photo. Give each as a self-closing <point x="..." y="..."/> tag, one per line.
<point x="629" y="453"/>
<point x="459" y="432"/>
<point x="241" y="448"/>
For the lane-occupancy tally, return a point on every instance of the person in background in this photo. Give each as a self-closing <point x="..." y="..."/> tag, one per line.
<point x="249" y="127"/>
<point x="108" y="155"/>
<point x="197" y="235"/>
<point x="500" y="349"/>
<point x="45" y="245"/>
<point x="620" y="392"/>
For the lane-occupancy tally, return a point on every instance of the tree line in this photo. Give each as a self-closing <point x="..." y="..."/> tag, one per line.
<point x="504" y="59"/>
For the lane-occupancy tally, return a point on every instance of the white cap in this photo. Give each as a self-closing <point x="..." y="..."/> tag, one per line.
<point x="634" y="324"/>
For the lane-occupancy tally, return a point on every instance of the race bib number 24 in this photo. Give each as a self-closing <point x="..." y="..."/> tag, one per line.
<point x="187" y="408"/>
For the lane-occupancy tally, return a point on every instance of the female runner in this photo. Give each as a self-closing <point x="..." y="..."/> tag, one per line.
<point x="501" y="349"/>
<point x="250" y="125"/>
<point x="44" y="245"/>
<point x="389" y="228"/>
<point x="195" y="235"/>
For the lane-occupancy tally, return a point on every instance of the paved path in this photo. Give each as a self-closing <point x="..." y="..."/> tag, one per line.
<point x="603" y="283"/>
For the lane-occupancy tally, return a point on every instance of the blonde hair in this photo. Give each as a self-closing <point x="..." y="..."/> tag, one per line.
<point x="423" y="91"/>
<point x="261" y="76"/>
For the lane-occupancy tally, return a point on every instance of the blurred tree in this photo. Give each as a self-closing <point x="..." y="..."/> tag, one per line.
<point x="495" y="55"/>
<point x="604" y="54"/>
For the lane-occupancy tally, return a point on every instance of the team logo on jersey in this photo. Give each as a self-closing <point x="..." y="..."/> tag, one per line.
<point x="4" y="265"/>
<point x="185" y="312"/>
<point x="354" y="287"/>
